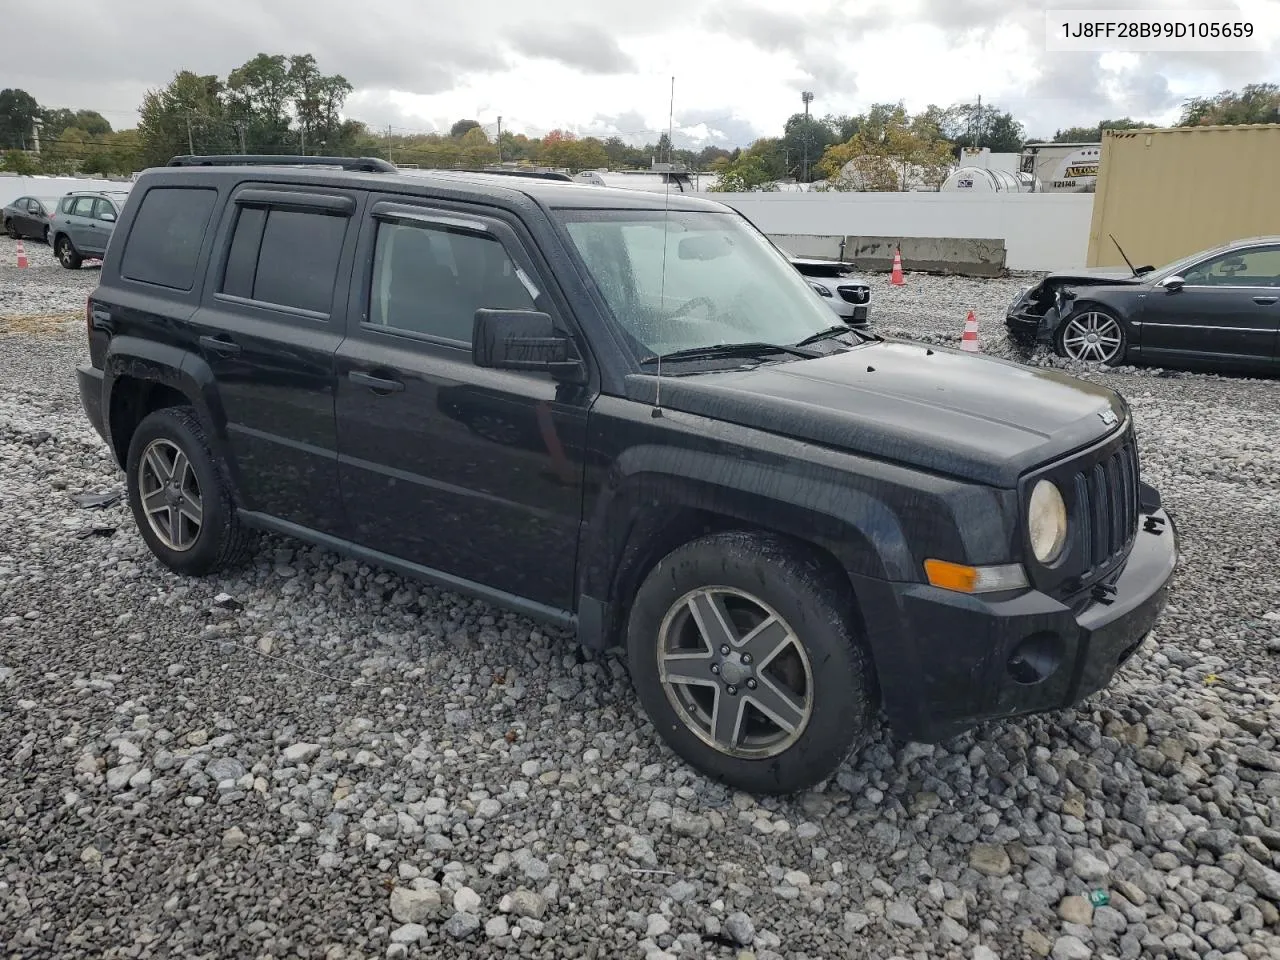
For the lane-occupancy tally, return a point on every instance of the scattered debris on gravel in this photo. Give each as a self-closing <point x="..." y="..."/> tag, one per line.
<point x="313" y="758"/>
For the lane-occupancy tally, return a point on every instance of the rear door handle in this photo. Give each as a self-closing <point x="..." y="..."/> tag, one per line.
<point x="219" y="345"/>
<point x="375" y="383"/>
<point x="1266" y="301"/>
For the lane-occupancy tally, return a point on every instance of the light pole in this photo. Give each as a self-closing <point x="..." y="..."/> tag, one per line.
<point x="807" y="97"/>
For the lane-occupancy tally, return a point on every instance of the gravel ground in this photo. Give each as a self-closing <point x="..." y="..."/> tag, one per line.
<point x="313" y="759"/>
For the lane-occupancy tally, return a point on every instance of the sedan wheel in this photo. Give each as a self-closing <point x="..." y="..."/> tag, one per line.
<point x="1092" y="336"/>
<point x="11" y="229"/>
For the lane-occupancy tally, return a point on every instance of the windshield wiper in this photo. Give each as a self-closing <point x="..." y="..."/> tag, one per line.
<point x="832" y="332"/>
<point x="754" y="349"/>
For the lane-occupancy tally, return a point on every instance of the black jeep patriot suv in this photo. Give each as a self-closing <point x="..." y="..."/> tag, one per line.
<point x="629" y="415"/>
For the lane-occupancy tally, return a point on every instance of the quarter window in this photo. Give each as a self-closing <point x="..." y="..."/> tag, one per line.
<point x="164" y="241"/>
<point x="431" y="280"/>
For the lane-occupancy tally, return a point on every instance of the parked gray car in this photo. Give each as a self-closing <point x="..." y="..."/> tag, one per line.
<point x="29" y="217"/>
<point x="83" y="225"/>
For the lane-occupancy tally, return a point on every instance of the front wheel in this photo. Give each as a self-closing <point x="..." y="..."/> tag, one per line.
<point x="1092" y="335"/>
<point x="11" y="229"/>
<point x="744" y="655"/>
<point x="67" y="255"/>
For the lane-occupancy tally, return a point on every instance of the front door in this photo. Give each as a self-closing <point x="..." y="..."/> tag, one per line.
<point x="268" y="329"/>
<point x="470" y="472"/>
<point x="80" y="224"/>
<point x="1226" y="314"/>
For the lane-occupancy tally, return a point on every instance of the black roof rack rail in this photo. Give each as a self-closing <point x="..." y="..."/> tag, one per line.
<point x="532" y="174"/>
<point x="361" y="164"/>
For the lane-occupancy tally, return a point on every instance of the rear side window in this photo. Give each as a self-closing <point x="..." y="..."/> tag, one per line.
<point x="66" y="204"/>
<point x="285" y="258"/>
<point x="163" y="247"/>
<point x="83" y="207"/>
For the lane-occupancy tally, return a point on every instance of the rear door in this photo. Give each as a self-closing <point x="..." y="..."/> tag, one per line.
<point x="1226" y="315"/>
<point x="104" y="220"/>
<point x="267" y="329"/>
<point x="80" y="223"/>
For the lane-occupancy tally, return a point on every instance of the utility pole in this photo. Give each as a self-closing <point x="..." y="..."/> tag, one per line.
<point x="389" y="143"/>
<point x="303" y="127"/>
<point x="807" y="97"/>
<point x="499" y="139"/>
<point x="191" y="146"/>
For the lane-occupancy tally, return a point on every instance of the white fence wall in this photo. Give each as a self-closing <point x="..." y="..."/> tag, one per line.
<point x="12" y="187"/>
<point x="1041" y="231"/>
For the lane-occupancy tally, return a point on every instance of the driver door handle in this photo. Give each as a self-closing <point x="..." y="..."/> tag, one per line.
<point x="1266" y="301"/>
<point x="375" y="383"/>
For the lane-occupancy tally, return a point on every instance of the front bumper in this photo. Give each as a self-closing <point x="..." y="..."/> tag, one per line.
<point x="1027" y="327"/>
<point x="854" y="314"/>
<point x="89" y="379"/>
<point x="948" y="661"/>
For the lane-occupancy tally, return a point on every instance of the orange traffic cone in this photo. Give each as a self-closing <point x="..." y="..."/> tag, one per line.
<point x="969" y="339"/>
<point x="22" y="255"/>
<point x="896" y="277"/>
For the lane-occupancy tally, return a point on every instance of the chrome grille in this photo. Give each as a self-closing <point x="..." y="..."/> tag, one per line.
<point x="1106" y="507"/>
<point x="855" y="294"/>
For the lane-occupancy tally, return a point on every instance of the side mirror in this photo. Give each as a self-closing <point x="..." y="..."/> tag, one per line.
<point x="1173" y="283"/>
<point x="523" y="340"/>
<point x="108" y="216"/>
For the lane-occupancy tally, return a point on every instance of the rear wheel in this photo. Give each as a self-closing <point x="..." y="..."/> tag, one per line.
<point x="45" y="236"/>
<point x="745" y="657"/>
<point x="180" y="495"/>
<point x="67" y="255"/>
<point x="11" y="230"/>
<point x="1092" y="335"/>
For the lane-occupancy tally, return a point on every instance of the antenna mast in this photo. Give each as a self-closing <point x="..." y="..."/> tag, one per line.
<point x="666" y="206"/>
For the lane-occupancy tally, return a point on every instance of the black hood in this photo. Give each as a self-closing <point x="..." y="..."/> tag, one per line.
<point x="972" y="417"/>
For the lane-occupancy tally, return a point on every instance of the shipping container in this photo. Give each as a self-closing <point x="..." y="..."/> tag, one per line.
<point x="1165" y="194"/>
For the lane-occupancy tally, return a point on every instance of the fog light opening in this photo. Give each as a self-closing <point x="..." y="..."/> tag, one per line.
<point x="1035" y="659"/>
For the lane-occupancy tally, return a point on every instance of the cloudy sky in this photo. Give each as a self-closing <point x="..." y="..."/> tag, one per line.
<point x="604" y="68"/>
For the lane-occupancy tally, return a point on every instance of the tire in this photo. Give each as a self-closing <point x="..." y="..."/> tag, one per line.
<point x="218" y="541"/>
<point x="1088" y="320"/>
<point x="11" y="230"/>
<point x="821" y="654"/>
<point x="66" y="253"/>
<point x="45" y="235"/>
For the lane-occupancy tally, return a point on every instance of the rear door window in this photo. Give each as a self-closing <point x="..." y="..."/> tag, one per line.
<point x="285" y="257"/>
<point x="83" y="206"/>
<point x="165" y="240"/>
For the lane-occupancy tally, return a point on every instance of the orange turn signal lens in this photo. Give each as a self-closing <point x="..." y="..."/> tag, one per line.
<point x="962" y="578"/>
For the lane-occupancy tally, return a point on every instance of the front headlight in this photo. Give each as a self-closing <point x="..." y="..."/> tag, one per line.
<point x="820" y="290"/>
<point x="1047" y="522"/>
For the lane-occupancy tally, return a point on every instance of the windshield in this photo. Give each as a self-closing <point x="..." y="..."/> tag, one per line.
<point x="724" y="282"/>
<point x="1177" y="266"/>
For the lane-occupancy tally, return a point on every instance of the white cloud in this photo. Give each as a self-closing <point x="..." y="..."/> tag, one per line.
<point x="740" y="65"/>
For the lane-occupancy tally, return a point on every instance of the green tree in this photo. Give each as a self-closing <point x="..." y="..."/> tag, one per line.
<point x="460" y="128"/>
<point x="1253" y="103"/>
<point x="18" y="114"/>
<point x="806" y="137"/>
<point x="187" y="114"/>
<point x="890" y="152"/>
<point x="1094" y="134"/>
<point x="19" y="162"/>
<point x="761" y="164"/>
<point x="54" y="121"/>
<point x="982" y="125"/>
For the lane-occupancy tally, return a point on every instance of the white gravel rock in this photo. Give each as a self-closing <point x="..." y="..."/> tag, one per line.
<point x="353" y="728"/>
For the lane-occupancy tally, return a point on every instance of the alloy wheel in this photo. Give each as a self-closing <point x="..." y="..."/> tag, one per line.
<point x="1092" y="337"/>
<point x="170" y="495"/>
<point x="735" y="672"/>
